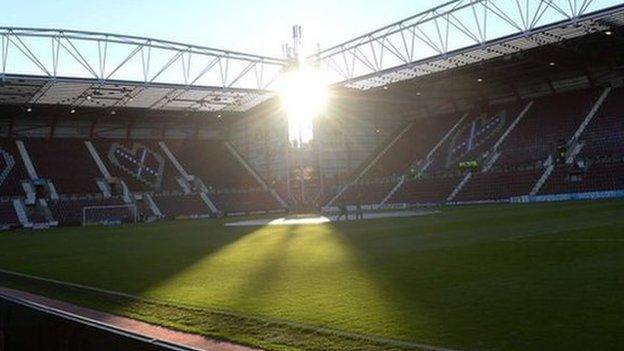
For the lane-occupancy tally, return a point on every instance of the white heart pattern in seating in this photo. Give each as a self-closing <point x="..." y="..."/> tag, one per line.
<point x="139" y="162"/>
<point x="485" y="128"/>
<point x="9" y="162"/>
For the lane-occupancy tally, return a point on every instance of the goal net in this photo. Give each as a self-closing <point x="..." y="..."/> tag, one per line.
<point x="109" y="215"/>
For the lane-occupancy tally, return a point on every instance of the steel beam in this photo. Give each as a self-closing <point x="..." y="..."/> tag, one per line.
<point x="102" y="57"/>
<point x="459" y="33"/>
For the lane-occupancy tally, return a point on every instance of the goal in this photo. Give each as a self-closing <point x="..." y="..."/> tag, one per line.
<point x="109" y="215"/>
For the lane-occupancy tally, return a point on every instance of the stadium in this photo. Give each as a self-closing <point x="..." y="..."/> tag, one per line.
<point x="450" y="181"/>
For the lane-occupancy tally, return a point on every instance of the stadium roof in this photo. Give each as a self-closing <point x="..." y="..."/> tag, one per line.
<point x="48" y="66"/>
<point x="587" y="61"/>
<point x="459" y="33"/>
<point x="86" y="69"/>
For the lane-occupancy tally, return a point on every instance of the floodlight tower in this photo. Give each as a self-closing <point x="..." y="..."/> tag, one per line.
<point x="292" y="52"/>
<point x="297" y="36"/>
<point x="301" y="152"/>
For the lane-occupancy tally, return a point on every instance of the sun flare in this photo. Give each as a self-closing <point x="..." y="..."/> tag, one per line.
<point x="304" y="96"/>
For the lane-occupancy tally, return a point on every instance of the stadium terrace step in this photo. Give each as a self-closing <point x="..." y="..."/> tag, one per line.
<point x="494" y="153"/>
<point x="597" y="176"/>
<point x="604" y="134"/>
<point x="47" y="154"/>
<point x="9" y="215"/>
<point x="498" y="185"/>
<point x="20" y="211"/>
<point x="394" y="190"/>
<point x="245" y="201"/>
<point x="400" y="134"/>
<point x="425" y="163"/>
<point x="139" y="162"/>
<point x="13" y="170"/>
<point x="204" y="196"/>
<point x="135" y="164"/>
<point x="199" y="157"/>
<point x="152" y="205"/>
<point x="366" y="193"/>
<point x="259" y="179"/>
<point x="517" y="141"/>
<point x="96" y="157"/>
<point x="30" y="168"/>
<point x="178" y="206"/>
<point x="70" y="211"/>
<point x="397" y="157"/>
<point x="173" y="159"/>
<point x="551" y="121"/>
<point x="426" y="190"/>
<point x="460" y="186"/>
<point x="592" y="113"/>
<point x="542" y="180"/>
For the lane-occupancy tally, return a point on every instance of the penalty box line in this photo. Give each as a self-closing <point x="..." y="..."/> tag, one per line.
<point x="324" y="330"/>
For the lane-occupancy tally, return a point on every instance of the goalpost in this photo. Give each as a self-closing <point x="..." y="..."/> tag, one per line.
<point x="110" y="214"/>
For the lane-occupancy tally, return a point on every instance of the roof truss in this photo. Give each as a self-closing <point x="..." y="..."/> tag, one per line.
<point x="103" y="58"/>
<point x="458" y="33"/>
<point x="78" y="68"/>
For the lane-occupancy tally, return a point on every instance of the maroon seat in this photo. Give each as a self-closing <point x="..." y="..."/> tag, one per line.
<point x="213" y="163"/>
<point x="146" y="168"/>
<point x="412" y="146"/>
<point x="8" y="217"/>
<point x="498" y="185"/>
<point x="245" y="201"/>
<point x="474" y="137"/>
<point x="366" y="192"/>
<point x="551" y="121"/>
<point x="426" y="190"/>
<point x="70" y="211"/>
<point x="604" y="136"/>
<point x="138" y="164"/>
<point x="14" y="174"/>
<point x="78" y="172"/>
<point x="597" y="177"/>
<point x="174" y="206"/>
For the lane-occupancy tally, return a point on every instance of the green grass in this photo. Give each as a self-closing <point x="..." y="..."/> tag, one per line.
<point x="520" y="277"/>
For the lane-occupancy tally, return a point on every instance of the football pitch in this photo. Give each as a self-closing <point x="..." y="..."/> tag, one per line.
<point x="504" y="277"/>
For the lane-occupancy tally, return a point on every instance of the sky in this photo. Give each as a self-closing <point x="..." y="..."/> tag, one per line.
<point x="251" y="26"/>
<point x="258" y="27"/>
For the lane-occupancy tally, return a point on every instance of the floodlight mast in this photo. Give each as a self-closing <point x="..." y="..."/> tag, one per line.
<point x="302" y="94"/>
<point x="293" y="57"/>
<point x="297" y="37"/>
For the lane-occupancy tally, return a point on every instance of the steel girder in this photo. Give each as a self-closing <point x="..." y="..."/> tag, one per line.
<point x="454" y="34"/>
<point x="106" y="57"/>
<point x="458" y="33"/>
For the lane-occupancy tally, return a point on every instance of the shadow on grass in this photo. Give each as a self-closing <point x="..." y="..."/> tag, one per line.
<point x="475" y="288"/>
<point x="439" y="280"/>
<point x="127" y="259"/>
<point x="268" y="266"/>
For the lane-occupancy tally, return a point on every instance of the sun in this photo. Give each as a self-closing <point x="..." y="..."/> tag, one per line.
<point x="303" y="96"/>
